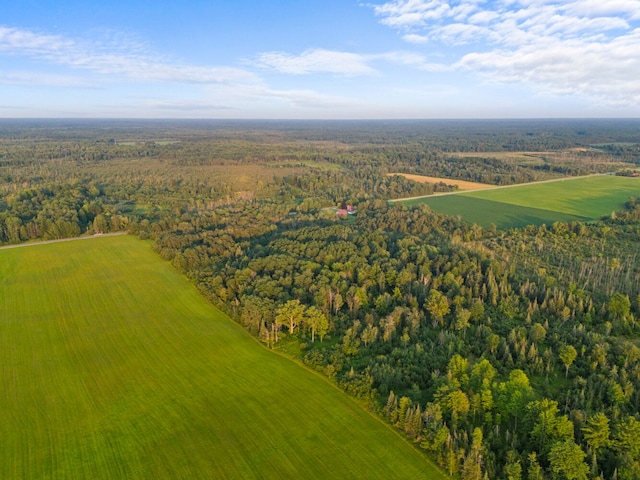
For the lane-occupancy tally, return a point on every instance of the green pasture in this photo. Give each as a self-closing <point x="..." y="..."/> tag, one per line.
<point x="113" y="366"/>
<point x="590" y="197"/>
<point x="486" y="212"/>
<point x="584" y="199"/>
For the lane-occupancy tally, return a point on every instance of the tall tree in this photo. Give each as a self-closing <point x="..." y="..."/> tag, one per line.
<point x="546" y="425"/>
<point x="619" y="306"/>
<point x="596" y="434"/>
<point x="626" y="439"/>
<point x="458" y="404"/>
<point x="317" y="322"/>
<point x="438" y="306"/>
<point x="514" y="394"/>
<point x="472" y="467"/>
<point x="534" y="472"/>
<point x="291" y="314"/>
<point x="567" y="461"/>
<point x="567" y="354"/>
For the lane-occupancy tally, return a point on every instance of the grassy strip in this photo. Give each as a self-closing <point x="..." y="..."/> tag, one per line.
<point x="114" y="367"/>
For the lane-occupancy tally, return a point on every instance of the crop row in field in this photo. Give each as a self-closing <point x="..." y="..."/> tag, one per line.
<point x="113" y="366"/>
<point x="584" y="198"/>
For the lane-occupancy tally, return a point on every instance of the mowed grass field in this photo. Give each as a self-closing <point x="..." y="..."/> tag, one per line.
<point x="114" y="367"/>
<point x="584" y="199"/>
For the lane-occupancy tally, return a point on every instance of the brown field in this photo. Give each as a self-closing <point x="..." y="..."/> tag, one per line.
<point x="461" y="184"/>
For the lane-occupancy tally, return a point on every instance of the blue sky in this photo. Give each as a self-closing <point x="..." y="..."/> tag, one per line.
<point x="320" y="59"/>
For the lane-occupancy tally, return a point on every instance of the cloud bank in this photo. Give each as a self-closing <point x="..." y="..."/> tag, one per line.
<point x="584" y="47"/>
<point x="116" y="59"/>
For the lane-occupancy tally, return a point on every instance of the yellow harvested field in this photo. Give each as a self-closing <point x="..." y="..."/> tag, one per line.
<point x="461" y="184"/>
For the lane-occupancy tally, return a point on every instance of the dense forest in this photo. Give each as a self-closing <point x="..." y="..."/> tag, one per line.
<point x="503" y="354"/>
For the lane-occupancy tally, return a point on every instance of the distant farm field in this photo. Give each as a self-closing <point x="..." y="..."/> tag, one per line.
<point x="585" y="198"/>
<point x="461" y="184"/>
<point x="113" y="366"/>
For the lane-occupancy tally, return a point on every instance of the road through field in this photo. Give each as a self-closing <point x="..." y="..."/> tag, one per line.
<point x="406" y="199"/>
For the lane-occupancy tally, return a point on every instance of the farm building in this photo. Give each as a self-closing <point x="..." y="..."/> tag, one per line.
<point x="349" y="210"/>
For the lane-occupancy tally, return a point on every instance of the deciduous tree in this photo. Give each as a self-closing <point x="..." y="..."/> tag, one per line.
<point x="567" y="354"/>
<point x="567" y="461"/>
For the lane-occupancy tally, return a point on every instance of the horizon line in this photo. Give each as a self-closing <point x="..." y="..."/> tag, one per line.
<point x="286" y="119"/>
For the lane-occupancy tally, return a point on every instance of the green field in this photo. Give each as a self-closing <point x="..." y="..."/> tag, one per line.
<point x="113" y="367"/>
<point x="585" y="199"/>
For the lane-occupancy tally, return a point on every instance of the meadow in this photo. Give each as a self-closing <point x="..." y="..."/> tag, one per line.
<point x="113" y="366"/>
<point x="571" y="199"/>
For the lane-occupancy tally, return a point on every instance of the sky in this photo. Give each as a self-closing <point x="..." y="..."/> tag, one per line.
<point x="329" y="59"/>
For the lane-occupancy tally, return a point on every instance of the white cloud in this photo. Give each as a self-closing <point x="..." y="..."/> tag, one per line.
<point x="112" y="61"/>
<point x="415" y="38"/>
<point x="24" y="42"/>
<point x="461" y="33"/>
<point x="589" y="8"/>
<point x="483" y="17"/>
<point x="582" y="47"/>
<point x="309" y="99"/>
<point x="410" y="13"/>
<point x="608" y="71"/>
<point x="400" y="58"/>
<point x="317" y="61"/>
<point x="335" y="62"/>
<point x="224" y="89"/>
<point x="44" y="80"/>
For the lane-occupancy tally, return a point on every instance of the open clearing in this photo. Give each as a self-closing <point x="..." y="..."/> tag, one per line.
<point x="527" y="158"/>
<point x="113" y="366"/>
<point x="584" y="199"/>
<point x="461" y="184"/>
<point x="506" y="155"/>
